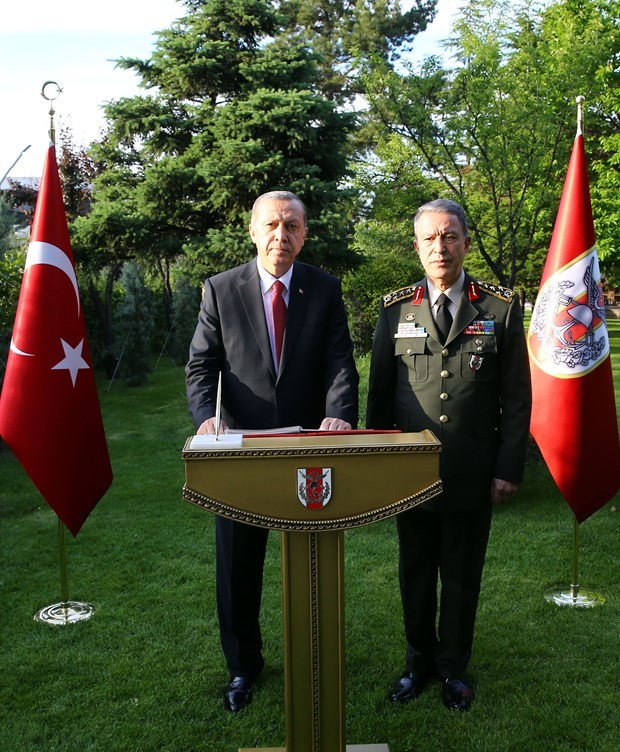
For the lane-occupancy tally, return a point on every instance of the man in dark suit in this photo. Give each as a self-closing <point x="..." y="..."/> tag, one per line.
<point x="308" y="379"/>
<point x="470" y="385"/>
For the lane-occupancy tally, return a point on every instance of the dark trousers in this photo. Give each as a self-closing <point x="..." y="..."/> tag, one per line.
<point x="240" y="557"/>
<point x="450" y="546"/>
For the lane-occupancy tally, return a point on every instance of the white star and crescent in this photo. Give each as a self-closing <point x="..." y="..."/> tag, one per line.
<point x="40" y="252"/>
<point x="73" y="360"/>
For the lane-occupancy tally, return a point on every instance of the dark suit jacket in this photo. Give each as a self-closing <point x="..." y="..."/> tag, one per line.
<point x="317" y="377"/>
<point x="473" y="392"/>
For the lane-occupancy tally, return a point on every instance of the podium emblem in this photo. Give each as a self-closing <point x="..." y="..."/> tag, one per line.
<point x="314" y="486"/>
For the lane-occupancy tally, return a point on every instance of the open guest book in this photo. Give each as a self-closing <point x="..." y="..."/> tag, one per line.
<point x="234" y="436"/>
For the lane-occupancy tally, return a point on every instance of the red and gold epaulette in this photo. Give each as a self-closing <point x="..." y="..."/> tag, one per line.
<point x="503" y="293"/>
<point x="412" y="291"/>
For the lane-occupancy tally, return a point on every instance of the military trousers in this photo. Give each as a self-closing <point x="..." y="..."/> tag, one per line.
<point x="446" y="548"/>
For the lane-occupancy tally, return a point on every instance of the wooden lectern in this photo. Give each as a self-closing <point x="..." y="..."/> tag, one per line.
<point x="312" y="488"/>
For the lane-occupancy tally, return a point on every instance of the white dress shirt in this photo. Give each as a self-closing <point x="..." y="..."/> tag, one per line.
<point x="452" y="293"/>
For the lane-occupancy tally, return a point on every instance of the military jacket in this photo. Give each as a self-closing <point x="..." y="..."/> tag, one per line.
<point x="473" y="392"/>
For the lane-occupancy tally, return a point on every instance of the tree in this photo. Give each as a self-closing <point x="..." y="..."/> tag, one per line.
<point x="77" y="171"/>
<point x="184" y="315"/>
<point x="136" y="326"/>
<point x="22" y="199"/>
<point x="11" y="267"/>
<point x="496" y="129"/>
<point x="391" y="188"/>
<point x="6" y="225"/>
<point x="232" y="112"/>
<point x="343" y="31"/>
<point x="605" y="159"/>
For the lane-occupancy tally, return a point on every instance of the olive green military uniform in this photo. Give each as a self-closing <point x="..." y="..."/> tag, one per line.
<point x="474" y="393"/>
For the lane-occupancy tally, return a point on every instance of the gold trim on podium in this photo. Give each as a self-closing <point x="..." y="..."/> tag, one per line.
<point x="371" y="476"/>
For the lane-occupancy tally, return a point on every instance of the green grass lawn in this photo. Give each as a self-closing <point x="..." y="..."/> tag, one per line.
<point x="146" y="672"/>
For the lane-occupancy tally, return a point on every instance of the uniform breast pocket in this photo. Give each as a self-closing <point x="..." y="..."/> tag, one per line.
<point x="413" y="355"/>
<point x="479" y="359"/>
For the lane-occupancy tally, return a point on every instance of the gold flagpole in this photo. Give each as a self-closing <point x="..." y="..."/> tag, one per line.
<point x="574" y="596"/>
<point x="65" y="612"/>
<point x="580" y="100"/>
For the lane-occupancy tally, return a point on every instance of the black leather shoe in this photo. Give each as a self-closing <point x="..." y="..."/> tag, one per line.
<point x="457" y="695"/>
<point x="410" y="685"/>
<point x="238" y="694"/>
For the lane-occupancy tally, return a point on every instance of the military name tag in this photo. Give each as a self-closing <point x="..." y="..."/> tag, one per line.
<point x="480" y="327"/>
<point x="407" y="330"/>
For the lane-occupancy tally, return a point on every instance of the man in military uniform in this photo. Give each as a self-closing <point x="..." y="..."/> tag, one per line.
<point x="470" y="385"/>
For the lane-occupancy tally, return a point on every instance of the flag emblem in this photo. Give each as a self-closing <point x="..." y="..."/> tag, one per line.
<point x="314" y="486"/>
<point x="568" y="336"/>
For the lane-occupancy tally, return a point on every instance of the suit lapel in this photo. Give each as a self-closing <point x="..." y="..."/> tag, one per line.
<point x="251" y="298"/>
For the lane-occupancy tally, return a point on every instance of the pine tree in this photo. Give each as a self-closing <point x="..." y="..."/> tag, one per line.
<point x="233" y="111"/>
<point x="136" y="326"/>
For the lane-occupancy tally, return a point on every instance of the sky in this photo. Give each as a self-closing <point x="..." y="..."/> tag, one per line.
<point x="75" y="43"/>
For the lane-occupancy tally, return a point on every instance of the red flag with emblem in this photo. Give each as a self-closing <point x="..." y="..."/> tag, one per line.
<point x="49" y="407"/>
<point x="574" y="411"/>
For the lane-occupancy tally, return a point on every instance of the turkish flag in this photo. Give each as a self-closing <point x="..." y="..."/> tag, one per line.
<point x="574" y="411"/>
<point x="49" y="408"/>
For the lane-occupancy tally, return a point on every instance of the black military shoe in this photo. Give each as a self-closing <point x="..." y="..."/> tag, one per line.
<point x="457" y="694"/>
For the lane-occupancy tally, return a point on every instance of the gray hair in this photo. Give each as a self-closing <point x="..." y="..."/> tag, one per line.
<point x="442" y="206"/>
<point x="279" y="196"/>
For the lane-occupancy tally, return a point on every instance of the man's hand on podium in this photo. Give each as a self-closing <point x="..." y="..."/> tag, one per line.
<point x="334" y="424"/>
<point x="209" y="427"/>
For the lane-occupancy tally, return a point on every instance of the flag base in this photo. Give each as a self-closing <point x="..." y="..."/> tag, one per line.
<point x="576" y="598"/>
<point x="350" y="748"/>
<point x="66" y="612"/>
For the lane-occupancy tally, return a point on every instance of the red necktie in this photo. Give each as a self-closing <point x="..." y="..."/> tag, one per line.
<point x="278" y="307"/>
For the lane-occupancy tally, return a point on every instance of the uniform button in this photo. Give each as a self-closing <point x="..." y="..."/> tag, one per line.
<point x="443" y="396"/>
<point x="445" y="352"/>
<point x="478" y="349"/>
<point x="443" y="419"/>
<point x="408" y="351"/>
<point x="444" y="374"/>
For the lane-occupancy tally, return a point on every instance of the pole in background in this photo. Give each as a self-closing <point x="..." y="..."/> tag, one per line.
<point x="19" y="156"/>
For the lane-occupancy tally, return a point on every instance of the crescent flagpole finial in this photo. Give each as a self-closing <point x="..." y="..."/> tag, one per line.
<point x="580" y="102"/>
<point x="48" y="93"/>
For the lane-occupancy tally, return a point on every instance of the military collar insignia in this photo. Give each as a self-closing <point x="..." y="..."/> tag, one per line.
<point x="473" y="290"/>
<point x="418" y="295"/>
